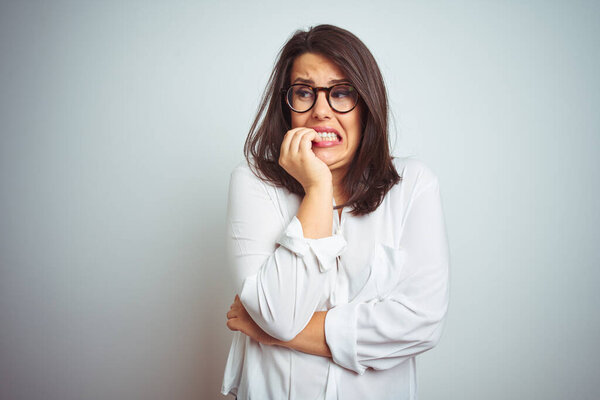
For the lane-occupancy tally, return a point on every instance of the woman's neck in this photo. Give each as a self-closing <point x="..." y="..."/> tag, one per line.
<point x="339" y="195"/>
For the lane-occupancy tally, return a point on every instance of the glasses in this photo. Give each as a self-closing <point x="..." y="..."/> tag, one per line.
<point x="300" y="97"/>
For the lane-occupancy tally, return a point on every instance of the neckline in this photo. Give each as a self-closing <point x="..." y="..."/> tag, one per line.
<point x="339" y="214"/>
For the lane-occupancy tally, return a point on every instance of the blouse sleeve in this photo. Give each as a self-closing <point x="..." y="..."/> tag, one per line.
<point x="410" y="282"/>
<point x="278" y="273"/>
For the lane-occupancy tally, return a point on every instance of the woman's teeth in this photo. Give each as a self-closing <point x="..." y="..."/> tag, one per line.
<point x="327" y="136"/>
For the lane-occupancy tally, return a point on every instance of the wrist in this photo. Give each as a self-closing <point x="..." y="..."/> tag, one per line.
<point x="319" y="189"/>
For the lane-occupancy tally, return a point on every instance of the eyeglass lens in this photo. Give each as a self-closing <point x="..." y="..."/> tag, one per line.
<point x="342" y="98"/>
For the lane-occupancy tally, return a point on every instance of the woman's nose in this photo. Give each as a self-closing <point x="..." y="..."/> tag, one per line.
<point x="321" y="109"/>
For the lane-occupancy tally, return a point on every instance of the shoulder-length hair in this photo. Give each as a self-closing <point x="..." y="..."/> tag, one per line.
<point x="371" y="173"/>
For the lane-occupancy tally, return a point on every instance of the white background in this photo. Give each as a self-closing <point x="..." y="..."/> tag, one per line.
<point x="121" y="121"/>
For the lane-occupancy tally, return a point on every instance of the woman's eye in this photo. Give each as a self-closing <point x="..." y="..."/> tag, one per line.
<point x="342" y="92"/>
<point x="304" y="93"/>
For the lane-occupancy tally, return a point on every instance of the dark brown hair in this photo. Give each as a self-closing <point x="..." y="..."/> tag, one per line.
<point x="371" y="173"/>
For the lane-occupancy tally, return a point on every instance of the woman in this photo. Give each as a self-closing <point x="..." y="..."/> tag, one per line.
<point x="339" y="250"/>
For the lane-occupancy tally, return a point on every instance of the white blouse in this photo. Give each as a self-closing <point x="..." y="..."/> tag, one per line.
<point x="383" y="277"/>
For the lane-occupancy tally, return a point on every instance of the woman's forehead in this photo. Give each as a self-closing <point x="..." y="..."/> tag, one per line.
<point x="317" y="69"/>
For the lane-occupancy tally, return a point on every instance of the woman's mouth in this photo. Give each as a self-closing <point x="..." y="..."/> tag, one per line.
<point x="329" y="137"/>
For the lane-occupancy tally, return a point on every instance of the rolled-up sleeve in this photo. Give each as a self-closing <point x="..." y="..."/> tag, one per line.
<point x="402" y="315"/>
<point x="279" y="273"/>
<point x="316" y="253"/>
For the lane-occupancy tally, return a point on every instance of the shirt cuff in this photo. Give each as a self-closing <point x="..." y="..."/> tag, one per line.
<point x="340" y="335"/>
<point x="325" y="250"/>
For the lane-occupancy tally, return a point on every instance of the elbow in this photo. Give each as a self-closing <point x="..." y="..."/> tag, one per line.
<point x="277" y="318"/>
<point x="432" y="341"/>
<point x="276" y="323"/>
<point x="281" y="330"/>
<point x="426" y="331"/>
<point x="435" y="322"/>
<point x="434" y="335"/>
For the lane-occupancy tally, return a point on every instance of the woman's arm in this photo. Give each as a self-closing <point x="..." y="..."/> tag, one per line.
<point x="410" y="282"/>
<point x="280" y="270"/>
<point x="310" y="340"/>
<point x="401" y="309"/>
<point x="297" y="158"/>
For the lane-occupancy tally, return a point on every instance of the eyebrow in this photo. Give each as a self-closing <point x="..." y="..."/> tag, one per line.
<point x="310" y="81"/>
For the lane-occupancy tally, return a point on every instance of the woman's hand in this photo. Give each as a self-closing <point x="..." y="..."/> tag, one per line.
<point x="238" y="319"/>
<point x="298" y="159"/>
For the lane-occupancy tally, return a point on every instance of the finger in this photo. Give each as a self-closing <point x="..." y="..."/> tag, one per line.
<point x="292" y="137"/>
<point x="296" y="141"/>
<point x="231" y="324"/>
<point x="306" y="134"/>
<point x="305" y="144"/>
<point x="287" y="139"/>
<point x="231" y="314"/>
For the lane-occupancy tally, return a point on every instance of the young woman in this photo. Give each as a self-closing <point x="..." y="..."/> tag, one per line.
<point x="339" y="251"/>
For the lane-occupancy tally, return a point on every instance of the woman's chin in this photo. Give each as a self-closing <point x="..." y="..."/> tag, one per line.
<point x="328" y="159"/>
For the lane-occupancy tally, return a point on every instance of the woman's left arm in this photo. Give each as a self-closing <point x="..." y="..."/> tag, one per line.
<point x="406" y="315"/>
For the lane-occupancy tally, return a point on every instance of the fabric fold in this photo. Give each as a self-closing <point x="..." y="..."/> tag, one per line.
<point x="325" y="250"/>
<point x="340" y="334"/>
<point x="384" y="285"/>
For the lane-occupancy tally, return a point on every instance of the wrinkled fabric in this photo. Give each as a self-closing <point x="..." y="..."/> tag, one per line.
<point x="382" y="277"/>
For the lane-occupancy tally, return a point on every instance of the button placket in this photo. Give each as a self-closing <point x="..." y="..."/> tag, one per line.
<point x="339" y="294"/>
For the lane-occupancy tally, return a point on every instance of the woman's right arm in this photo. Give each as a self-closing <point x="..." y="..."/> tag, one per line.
<point x="297" y="158"/>
<point x="280" y="269"/>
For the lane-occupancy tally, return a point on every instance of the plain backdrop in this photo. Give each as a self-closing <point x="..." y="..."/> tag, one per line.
<point x="121" y="121"/>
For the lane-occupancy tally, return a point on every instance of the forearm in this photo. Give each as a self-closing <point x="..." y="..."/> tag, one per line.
<point x="316" y="212"/>
<point x="312" y="339"/>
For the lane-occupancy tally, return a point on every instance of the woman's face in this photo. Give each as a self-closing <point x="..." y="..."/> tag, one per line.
<point x="317" y="71"/>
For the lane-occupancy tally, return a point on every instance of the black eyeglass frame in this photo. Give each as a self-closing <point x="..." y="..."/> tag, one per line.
<point x="316" y="90"/>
